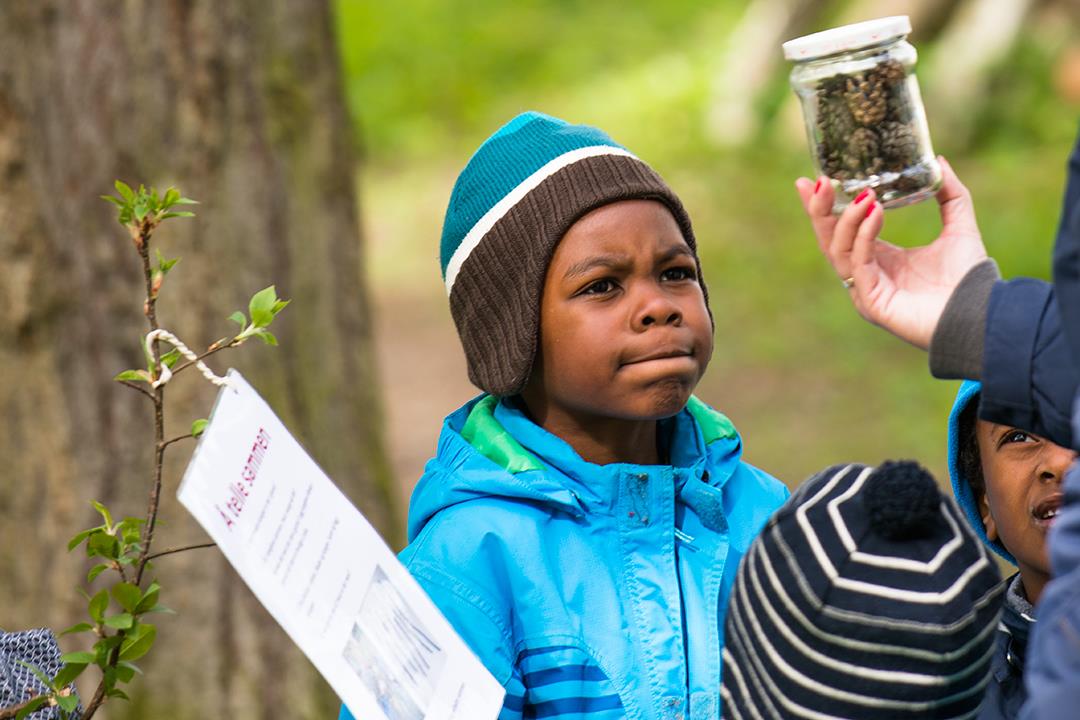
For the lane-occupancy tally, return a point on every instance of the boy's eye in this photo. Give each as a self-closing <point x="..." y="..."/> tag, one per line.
<point x="1017" y="436"/>
<point x="599" y="287"/>
<point x="679" y="273"/>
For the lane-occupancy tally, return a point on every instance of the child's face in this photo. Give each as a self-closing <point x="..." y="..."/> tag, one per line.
<point x="624" y="331"/>
<point x="1023" y="475"/>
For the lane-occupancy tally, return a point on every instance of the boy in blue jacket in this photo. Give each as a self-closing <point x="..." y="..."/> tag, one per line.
<point x="583" y="519"/>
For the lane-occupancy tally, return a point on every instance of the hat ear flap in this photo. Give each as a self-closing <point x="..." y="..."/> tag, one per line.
<point x="987" y="518"/>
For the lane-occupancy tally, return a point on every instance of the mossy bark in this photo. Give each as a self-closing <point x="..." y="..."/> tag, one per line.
<point x="240" y="105"/>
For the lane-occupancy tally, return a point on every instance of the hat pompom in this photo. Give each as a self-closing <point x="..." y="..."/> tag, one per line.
<point x="902" y="501"/>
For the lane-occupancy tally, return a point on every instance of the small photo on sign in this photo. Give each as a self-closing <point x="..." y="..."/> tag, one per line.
<point x="393" y="653"/>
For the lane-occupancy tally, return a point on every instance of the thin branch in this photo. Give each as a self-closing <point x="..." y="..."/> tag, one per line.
<point x="178" y="438"/>
<point x="140" y="388"/>
<point x="214" y="349"/>
<point x="9" y="713"/>
<point x="185" y="548"/>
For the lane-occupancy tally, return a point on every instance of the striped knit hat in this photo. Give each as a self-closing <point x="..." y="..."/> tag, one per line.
<point x="866" y="596"/>
<point x="513" y="202"/>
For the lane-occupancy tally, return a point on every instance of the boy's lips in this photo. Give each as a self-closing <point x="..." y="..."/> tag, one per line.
<point x="660" y="354"/>
<point x="1046" y="510"/>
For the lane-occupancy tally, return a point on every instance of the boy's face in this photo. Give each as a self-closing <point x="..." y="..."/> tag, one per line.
<point x="624" y="331"/>
<point x="1023" y="475"/>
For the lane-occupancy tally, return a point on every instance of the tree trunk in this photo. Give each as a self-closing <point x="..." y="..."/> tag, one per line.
<point x="239" y="104"/>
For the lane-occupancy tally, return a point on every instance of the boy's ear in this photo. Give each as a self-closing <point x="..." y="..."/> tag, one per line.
<point x="988" y="519"/>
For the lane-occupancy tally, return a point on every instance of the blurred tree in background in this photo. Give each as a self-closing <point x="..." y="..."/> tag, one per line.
<point x="241" y="104"/>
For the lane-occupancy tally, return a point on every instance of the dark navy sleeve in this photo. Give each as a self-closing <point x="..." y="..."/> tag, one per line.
<point x="1031" y="357"/>
<point x="1029" y="376"/>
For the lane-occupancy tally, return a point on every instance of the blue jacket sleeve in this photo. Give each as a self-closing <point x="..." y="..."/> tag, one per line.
<point x="1029" y="377"/>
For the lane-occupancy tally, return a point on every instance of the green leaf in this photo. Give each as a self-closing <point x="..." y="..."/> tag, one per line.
<point x="121" y="621"/>
<point x="98" y="604"/>
<point x="125" y="191"/>
<point x="161" y="609"/>
<point x="261" y="306"/>
<point x="139" y="643"/>
<point x="113" y="199"/>
<point x="140" y="210"/>
<point x="95" y="571"/>
<point x="69" y="672"/>
<point x="199" y="426"/>
<point x="179" y="213"/>
<point x="77" y="657"/>
<point x="45" y="679"/>
<point x="187" y="201"/>
<point x="280" y="305"/>
<point x="67" y="702"/>
<point x="149" y="598"/>
<point x="126" y="595"/>
<point x="238" y="318"/>
<point x="171" y="196"/>
<point x="78" y="539"/>
<point x="78" y="628"/>
<point x="170" y="358"/>
<point x="165" y="265"/>
<point x="129" y="666"/>
<point x="118" y="693"/>
<point x="133" y="376"/>
<point x="267" y="337"/>
<point x="125" y="672"/>
<point x="31" y="707"/>
<point x="103" y="545"/>
<point x="104" y="513"/>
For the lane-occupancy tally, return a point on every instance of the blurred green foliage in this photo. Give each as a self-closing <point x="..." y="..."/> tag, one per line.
<point x="807" y="382"/>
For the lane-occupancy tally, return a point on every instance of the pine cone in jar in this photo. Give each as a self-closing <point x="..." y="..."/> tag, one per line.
<point x="899" y="145"/>
<point x="889" y="73"/>
<point x="867" y="99"/>
<point x="862" y="152"/>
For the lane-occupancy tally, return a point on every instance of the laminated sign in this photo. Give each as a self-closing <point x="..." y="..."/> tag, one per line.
<point x="324" y="573"/>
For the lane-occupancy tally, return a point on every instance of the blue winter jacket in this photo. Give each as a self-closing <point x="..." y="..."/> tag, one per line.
<point x="589" y="591"/>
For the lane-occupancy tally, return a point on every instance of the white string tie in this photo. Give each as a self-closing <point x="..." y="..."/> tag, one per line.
<point x="165" y="372"/>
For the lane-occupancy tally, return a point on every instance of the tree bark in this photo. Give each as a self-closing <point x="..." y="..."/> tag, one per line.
<point x="240" y="105"/>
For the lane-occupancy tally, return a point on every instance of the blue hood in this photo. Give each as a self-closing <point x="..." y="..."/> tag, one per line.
<point x="479" y="455"/>
<point x="965" y="496"/>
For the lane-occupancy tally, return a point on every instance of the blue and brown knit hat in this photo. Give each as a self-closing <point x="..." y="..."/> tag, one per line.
<point x="519" y="194"/>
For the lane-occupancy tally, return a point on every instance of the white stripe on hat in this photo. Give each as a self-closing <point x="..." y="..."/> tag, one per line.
<point x="512" y="198"/>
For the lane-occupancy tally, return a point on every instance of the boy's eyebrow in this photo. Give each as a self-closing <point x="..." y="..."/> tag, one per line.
<point x="605" y="261"/>
<point x="619" y="261"/>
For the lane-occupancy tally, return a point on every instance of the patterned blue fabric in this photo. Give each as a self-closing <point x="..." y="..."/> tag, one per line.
<point x="590" y="591"/>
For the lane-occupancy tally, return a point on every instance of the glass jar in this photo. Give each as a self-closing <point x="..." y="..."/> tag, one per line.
<point x="864" y="114"/>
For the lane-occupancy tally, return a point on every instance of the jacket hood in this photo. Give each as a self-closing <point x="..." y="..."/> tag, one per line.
<point x="961" y="485"/>
<point x="489" y="448"/>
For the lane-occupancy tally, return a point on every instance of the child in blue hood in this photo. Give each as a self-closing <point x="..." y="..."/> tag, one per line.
<point x="1009" y="484"/>
<point x="583" y="519"/>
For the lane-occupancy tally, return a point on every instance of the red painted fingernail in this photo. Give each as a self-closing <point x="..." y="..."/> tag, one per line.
<point x="870" y="210"/>
<point x="817" y="185"/>
<point x="861" y="196"/>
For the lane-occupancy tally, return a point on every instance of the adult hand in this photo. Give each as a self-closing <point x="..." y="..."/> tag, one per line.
<point x="903" y="290"/>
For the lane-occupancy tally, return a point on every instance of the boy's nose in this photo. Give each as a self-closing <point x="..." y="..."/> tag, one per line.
<point x="1056" y="461"/>
<point x="657" y="308"/>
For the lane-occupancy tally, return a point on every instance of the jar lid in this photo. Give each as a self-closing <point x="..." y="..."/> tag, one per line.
<point x="847" y="37"/>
